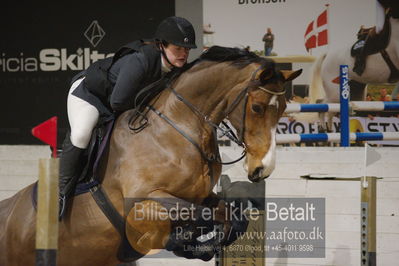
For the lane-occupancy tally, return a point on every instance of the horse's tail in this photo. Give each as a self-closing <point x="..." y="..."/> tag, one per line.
<point x="315" y="91"/>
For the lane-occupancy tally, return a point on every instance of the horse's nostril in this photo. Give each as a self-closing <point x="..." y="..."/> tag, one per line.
<point x="258" y="172"/>
<point x="256" y="175"/>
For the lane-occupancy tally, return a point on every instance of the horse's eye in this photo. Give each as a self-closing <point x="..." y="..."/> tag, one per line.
<point x="257" y="108"/>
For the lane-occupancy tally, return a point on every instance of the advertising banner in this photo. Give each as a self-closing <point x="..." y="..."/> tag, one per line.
<point x="45" y="43"/>
<point x="356" y="124"/>
<point x="297" y="25"/>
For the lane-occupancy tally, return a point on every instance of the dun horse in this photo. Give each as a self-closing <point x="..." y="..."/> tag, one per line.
<point x="171" y="158"/>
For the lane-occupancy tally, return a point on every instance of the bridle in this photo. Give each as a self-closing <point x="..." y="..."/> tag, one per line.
<point x="244" y="94"/>
<point x="225" y="129"/>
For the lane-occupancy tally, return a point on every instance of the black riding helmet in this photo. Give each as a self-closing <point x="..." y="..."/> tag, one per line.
<point x="177" y="31"/>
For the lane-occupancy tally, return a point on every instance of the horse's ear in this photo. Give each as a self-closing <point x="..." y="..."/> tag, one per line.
<point x="290" y="75"/>
<point x="264" y="74"/>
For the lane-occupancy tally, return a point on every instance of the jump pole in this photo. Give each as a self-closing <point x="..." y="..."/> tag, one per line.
<point x="47" y="197"/>
<point x="344" y="107"/>
<point x="335" y="137"/>
<point x="368" y="212"/>
<point x="47" y="213"/>
<point x="335" y="107"/>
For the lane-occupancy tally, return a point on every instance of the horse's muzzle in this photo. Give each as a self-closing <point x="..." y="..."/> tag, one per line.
<point x="257" y="175"/>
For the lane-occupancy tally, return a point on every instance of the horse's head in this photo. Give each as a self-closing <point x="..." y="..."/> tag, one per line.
<point x="257" y="118"/>
<point x="247" y="90"/>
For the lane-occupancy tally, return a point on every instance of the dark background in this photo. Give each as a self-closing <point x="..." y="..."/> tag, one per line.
<point x="29" y="98"/>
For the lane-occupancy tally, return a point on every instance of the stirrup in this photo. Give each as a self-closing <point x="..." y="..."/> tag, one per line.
<point x="62" y="206"/>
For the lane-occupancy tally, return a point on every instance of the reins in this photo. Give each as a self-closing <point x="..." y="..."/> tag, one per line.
<point x="226" y="130"/>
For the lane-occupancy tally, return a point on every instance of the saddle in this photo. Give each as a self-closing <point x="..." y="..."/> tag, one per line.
<point x="370" y="42"/>
<point x="102" y="133"/>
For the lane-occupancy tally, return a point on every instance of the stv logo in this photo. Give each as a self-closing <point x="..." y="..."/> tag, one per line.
<point x="94" y="33"/>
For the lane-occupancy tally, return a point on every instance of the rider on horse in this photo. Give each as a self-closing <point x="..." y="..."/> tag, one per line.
<point x="127" y="75"/>
<point x="375" y="39"/>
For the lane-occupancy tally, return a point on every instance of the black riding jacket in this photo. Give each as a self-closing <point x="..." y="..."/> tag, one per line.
<point x="129" y="75"/>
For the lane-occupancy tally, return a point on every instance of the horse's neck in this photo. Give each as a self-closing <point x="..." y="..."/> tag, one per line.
<point x="210" y="87"/>
<point x="207" y="87"/>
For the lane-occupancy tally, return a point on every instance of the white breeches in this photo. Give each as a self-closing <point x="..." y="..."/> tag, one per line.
<point x="82" y="117"/>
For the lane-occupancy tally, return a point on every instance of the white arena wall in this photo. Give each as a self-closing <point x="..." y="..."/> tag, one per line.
<point x="18" y="168"/>
<point x="342" y="198"/>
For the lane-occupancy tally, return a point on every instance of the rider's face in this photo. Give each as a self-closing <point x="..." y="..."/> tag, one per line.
<point x="177" y="55"/>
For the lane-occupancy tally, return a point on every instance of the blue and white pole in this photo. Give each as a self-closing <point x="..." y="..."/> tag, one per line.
<point x="312" y="108"/>
<point x="335" y="137"/>
<point x="344" y="100"/>
<point x="335" y="107"/>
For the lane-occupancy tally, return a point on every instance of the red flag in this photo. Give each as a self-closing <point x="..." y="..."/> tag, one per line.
<point x="310" y="38"/>
<point x="47" y="132"/>
<point x="309" y="29"/>
<point x="322" y="38"/>
<point x="322" y="19"/>
<point x="311" y="42"/>
<point x="316" y="33"/>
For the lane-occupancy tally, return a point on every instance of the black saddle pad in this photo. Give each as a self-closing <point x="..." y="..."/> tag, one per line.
<point x="97" y="147"/>
<point x="89" y="177"/>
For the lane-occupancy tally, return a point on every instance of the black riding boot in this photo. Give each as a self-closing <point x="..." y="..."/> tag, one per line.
<point x="71" y="157"/>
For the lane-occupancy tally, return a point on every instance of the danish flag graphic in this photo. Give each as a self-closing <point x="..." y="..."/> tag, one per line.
<point x="317" y="32"/>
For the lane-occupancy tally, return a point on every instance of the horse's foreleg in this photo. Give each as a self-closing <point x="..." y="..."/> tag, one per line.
<point x="152" y="221"/>
<point x="147" y="227"/>
<point x="183" y="223"/>
<point x="329" y="127"/>
<point x="218" y="206"/>
<point x="330" y="122"/>
<point x="322" y="123"/>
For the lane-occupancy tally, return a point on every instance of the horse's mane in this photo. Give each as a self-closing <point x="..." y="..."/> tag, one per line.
<point x="238" y="57"/>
